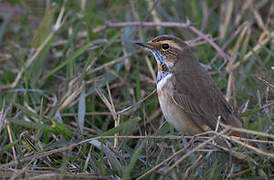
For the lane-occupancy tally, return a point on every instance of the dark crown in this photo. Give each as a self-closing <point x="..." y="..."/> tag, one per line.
<point x="170" y="38"/>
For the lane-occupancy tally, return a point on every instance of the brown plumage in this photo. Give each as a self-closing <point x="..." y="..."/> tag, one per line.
<point x="189" y="98"/>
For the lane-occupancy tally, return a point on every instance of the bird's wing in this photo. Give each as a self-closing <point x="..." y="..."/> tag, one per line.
<point x="198" y="95"/>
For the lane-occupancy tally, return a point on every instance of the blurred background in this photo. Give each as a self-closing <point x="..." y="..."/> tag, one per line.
<point x="72" y="80"/>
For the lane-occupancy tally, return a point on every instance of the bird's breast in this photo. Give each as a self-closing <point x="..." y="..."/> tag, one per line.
<point x="171" y="111"/>
<point x="162" y="79"/>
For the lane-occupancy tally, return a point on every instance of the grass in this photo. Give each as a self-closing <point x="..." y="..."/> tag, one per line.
<point x="78" y="99"/>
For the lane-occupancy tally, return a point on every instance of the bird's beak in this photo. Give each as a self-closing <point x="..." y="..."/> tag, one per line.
<point x="145" y="45"/>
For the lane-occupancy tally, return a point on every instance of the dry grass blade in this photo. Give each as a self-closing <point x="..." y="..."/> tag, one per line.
<point x="115" y="116"/>
<point x="124" y="111"/>
<point x="237" y="155"/>
<point x="71" y="96"/>
<point x="259" y="151"/>
<point x="111" y="108"/>
<point x="193" y="166"/>
<point x="225" y="15"/>
<point x="231" y="62"/>
<point x="255" y="50"/>
<point x="266" y="83"/>
<point x="247" y="131"/>
<point x="163" y="162"/>
<point x="107" y="103"/>
<point x="106" y="65"/>
<point x="197" y="148"/>
<point x="20" y="172"/>
<point x="110" y="155"/>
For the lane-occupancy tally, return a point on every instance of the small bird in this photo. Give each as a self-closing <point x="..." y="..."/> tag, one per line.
<point x="189" y="98"/>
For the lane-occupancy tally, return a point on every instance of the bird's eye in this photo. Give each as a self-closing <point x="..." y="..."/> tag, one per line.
<point x="165" y="46"/>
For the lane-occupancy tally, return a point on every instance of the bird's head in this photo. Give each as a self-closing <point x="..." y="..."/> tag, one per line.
<point x="166" y="50"/>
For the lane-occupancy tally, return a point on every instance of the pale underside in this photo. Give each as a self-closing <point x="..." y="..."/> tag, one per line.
<point x="173" y="113"/>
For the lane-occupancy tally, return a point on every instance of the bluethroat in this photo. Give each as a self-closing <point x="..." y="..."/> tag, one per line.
<point x="189" y="98"/>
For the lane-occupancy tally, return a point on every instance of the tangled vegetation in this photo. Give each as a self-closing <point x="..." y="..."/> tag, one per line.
<point x="78" y="98"/>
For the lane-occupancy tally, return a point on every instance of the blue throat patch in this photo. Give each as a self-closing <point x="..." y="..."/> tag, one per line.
<point x="161" y="75"/>
<point x="161" y="59"/>
<point x="159" y="56"/>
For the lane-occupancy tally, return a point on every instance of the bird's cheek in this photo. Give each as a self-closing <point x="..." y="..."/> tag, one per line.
<point x="169" y="64"/>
